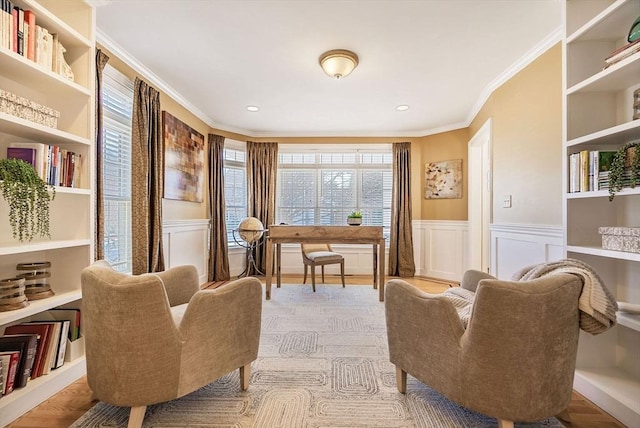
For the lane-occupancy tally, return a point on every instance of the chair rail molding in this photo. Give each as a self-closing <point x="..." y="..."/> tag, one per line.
<point x="440" y="248"/>
<point x="186" y="242"/>
<point x="514" y="246"/>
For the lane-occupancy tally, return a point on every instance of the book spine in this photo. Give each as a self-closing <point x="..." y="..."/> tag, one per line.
<point x="584" y="171"/>
<point x="12" y="372"/>
<point x="30" y="17"/>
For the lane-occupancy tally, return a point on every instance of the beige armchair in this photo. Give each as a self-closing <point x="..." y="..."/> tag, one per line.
<point x="320" y="255"/>
<point x="155" y="337"/>
<point x="514" y="361"/>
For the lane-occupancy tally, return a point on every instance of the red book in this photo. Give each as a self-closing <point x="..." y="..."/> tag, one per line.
<point x="30" y="18"/>
<point x="13" y="360"/>
<point x="42" y="330"/>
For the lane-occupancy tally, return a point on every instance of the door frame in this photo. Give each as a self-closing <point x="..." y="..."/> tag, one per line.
<point x="480" y="185"/>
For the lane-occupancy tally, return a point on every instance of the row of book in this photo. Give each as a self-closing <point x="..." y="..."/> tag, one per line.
<point x="587" y="167"/>
<point x="56" y="166"/>
<point x="35" y="348"/>
<point x="589" y="170"/>
<point x="20" y="33"/>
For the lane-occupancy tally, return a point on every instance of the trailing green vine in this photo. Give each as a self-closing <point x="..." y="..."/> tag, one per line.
<point x="617" y="172"/>
<point x="28" y="199"/>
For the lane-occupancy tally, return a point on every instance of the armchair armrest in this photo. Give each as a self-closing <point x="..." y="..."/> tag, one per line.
<point x="472" y="277"/>
<point x="180" y="283"/>
<point x="423" y="330"/>
<point x="221" y="329"/>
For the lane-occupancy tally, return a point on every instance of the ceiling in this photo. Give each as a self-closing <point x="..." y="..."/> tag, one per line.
<point x="440" y="57"/>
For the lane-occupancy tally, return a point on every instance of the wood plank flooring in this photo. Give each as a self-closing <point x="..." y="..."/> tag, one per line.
<point x="64" y="408"/>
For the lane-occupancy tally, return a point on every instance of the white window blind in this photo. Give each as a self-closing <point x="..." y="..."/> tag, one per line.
<point x="117" y="103"/>
<point x="235" y="188"/>
<point x="324" y="184"/>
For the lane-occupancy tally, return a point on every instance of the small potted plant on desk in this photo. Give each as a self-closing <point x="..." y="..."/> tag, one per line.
<point x="354" y="219"/>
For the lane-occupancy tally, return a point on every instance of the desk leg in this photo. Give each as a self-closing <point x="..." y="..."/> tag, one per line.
<point x="381" y="269"/>
<point x="269" y="260"/>
<point x="375" y="266"/>
<point x="278" y="259"/>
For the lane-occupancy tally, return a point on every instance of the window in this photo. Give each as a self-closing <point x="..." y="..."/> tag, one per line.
<point x="117" y="99"/>
<point x="323" y="185"/>
<point x="235" y="186"/>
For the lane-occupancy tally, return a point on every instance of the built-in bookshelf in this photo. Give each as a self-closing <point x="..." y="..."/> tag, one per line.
<point x="70" y="247"/>
<point x="598" y="116"/>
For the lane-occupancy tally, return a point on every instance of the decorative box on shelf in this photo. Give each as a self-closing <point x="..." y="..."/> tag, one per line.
<point x="625" y="239"/>
<point x="29" y="110"/>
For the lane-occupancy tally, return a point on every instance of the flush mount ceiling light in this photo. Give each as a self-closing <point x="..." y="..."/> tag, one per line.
<point x="338" y="63"/>
<point x="253" y="108"/>
<point x="402" y="107"/>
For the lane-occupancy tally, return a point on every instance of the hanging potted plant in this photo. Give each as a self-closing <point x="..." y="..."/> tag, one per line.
<point x="625" y="168"/>
<point x="28" y="198"/>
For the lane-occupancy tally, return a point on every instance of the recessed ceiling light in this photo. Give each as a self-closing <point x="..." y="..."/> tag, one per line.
<point x="402" y="107"/>
<point x="253" y="108"/>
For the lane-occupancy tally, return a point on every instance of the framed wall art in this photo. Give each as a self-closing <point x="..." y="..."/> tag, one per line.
<point x="443" y="179"/>
<point x="183" y="159"/>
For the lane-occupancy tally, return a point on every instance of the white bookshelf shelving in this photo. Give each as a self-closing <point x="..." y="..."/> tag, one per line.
<point x="598" y="115"/>
<point x="70" y="247"/>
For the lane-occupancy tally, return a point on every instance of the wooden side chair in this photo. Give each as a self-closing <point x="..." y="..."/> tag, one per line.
<point x="320" y="255"/>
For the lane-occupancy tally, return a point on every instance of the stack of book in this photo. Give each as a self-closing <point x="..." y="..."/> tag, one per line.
<point x="32" y="349"/>
<point x="622" y="53"/>
<point x="20" y="33"/>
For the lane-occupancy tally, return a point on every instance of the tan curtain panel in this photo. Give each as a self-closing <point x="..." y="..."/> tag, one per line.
<point x="401" y="246"/>
<point x="147" y="181"/>
<point x="218" y="250"/>
<point x="262" y="168"/>
<point x="101" y="62"/>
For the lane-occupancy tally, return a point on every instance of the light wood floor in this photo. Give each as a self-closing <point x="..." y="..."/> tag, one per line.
<point x="64" y="408"/>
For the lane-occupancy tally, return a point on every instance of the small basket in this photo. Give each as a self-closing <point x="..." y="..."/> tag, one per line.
<point x="12" y="295"/>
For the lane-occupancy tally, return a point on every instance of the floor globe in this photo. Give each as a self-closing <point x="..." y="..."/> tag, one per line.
<point x="250" y="230"/>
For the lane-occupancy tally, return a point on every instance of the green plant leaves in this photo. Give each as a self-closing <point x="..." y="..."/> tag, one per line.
<point x="28" y="199"/>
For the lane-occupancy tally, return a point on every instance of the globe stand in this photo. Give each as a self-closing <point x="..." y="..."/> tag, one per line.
<point x="249" y="246"/>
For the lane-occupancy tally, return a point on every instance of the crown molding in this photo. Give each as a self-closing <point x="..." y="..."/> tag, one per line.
<point x="545" y="44"/>
<point x="156" y="81"/>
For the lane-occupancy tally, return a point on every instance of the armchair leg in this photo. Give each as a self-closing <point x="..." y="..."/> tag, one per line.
<point x="322" y="269"/>
<point x="245" y="372"/>
<point x="505" y="424"/>
<point x="401" y="380"/>
<point x="313" y="278"/>
<point x="136" y="416"/>
<point x="342" y="272"/>
<point x="304" y="279"/>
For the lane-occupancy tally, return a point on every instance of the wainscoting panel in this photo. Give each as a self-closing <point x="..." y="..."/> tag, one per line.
<point x="440" y="248"/>
<point x="186" y="242"/>
<point x="514" y="246"/>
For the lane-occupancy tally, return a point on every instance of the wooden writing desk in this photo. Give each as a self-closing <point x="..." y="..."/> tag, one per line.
<point x="282" y="234"/>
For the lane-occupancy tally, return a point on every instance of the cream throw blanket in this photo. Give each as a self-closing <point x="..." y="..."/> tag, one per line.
<point x="596" y="304"/>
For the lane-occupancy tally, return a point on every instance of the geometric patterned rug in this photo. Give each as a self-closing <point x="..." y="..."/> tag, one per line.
<point x="323" y="362"/>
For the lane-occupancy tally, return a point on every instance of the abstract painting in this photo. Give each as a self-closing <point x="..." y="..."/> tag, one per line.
<point x="443" y="179"/>
<point x="184" y="160"/>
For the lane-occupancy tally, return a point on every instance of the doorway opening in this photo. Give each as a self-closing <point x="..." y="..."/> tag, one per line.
<point x="479" y="210"/>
